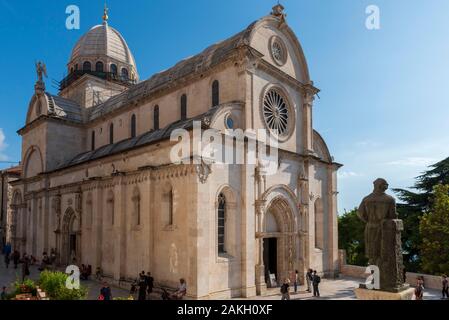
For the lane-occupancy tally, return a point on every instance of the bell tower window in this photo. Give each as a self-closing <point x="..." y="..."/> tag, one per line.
<point x="87" y="66"/>
<point x="99" y="67"/>
<point x="125" y="74"/>
<point x="114" y="69"/>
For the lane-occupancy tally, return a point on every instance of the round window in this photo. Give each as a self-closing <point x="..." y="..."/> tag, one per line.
<point x="276" y="113"/>
<point x="278" y="51"/>
<point x="229" y="122"/>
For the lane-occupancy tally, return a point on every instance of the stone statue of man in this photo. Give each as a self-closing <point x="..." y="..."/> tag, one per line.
<point x="375" y="208"/>
<point x="383" y="235"/>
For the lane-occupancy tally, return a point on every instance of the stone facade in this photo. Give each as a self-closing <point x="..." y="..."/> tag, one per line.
<point x="6" y="211"/>
<point x="99" y="187"/>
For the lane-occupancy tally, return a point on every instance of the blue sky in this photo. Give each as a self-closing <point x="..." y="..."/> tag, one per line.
<point x="383" y="108"/>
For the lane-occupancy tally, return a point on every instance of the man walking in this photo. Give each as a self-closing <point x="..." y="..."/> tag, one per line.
<point x="445" y="285"/>
<point x="285" y="290"/>
<point x="316" y="282"/>
<point x="296" y="281"/>
<point x="309" y="278"/>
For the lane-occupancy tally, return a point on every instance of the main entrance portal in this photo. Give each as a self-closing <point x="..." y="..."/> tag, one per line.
<point x="270" y="250"/>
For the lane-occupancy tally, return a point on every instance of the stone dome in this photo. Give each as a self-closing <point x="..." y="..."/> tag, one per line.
<point x="106" y="45"/>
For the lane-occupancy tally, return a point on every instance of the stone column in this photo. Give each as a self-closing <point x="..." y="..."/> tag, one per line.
<point x="391" y="267"/>
<point x="307" y="126"/>
<point x="261" y="286"/>
<point x="98" y="225"/>
<point x="248" y="232"/>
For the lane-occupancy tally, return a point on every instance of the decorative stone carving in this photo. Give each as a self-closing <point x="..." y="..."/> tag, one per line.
<point x="41" y="71"/>
<point x="203" y="170"/>
<point x="383" y="236"/>
<point x="78" y="202"/>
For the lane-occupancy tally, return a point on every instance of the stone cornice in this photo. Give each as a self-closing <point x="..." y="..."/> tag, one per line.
<point x="45" y="118"/>
<point x="278" y="73"/>
<point x="128" y="178"/>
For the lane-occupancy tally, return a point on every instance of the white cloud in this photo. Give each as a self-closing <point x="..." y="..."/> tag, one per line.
<point x="367" y="144"/>
<point x="413" y="162"/>
<point x="3" y="146"/>
<point x="348" y="174"/>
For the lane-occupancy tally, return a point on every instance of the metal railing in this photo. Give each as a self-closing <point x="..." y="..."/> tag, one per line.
<point x="109" y="76"/>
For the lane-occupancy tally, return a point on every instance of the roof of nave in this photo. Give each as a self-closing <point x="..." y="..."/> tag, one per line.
<point x="145" y="139"/>
<point x="64" y="108"/>
<point x="210" y="57"/>
<point x="15" y="171"/>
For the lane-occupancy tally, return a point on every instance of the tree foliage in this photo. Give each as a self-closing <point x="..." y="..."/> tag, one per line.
<point x="54" y="284"/>
<point x="351" y="237"/>
<point x="414" y="204"/>
<point x="434" y="228"/>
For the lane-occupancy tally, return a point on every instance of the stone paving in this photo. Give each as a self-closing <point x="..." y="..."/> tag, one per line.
<point x="337" y="289"/>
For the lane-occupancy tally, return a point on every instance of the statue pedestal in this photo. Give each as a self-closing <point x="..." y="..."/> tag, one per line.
<point x="365" y="294"/>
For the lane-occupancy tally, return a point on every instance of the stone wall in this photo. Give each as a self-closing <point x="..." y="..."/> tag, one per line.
<point x="430" y="282"/>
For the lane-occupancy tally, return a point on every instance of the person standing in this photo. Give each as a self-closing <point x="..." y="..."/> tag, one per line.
<point x="142" y="287"/>
<point x="316" y="282"/>
<point x="150" y="283"/>
<point x="445" y="286"/>
<point x="16" y="258"/>
<point x="419" y="291"/>
<point x="285" y="290"/>
<point x="4" y="294"/>
<point x="25" y="267"/>
<point x="309" y="278"/>
<point x="296" y="281"/>
<point x="105" y="292"/>
<point x="7" y="260"/>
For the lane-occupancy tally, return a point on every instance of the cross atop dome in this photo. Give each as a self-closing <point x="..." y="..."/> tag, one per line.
<point x="105" y="14"/>
<point x="278" y="10"/>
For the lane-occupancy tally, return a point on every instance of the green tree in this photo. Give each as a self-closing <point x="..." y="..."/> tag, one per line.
<point x="434" y="228"/>
<point x="351" y="237"/>
<point x="413" y="205"/>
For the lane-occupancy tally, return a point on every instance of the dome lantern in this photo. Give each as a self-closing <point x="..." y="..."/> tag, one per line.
<point x="104" y="53"/>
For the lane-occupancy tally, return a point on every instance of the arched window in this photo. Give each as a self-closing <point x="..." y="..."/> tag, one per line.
<point x="125" y="74"/>
<point x="156" y="118"/>
<point x="89" y="211"/>
<point x="93" y="141"/>
<point x="136" y="204"/>
<point x="133" y="126"/>
<point x="215" y="93"/>
<point x="99" y="67"/>
<point x="111" y="133"/>
<point x="319" y="224"/>
<point x="114" y="69"/>
<point x="170" y="208"/>
<point x="87" y="66"/>
<point x="184" y="107"/>
<point x="110" y="207"/>
<point x="221" y="223"/>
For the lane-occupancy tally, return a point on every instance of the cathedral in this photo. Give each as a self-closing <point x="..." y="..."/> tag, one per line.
<point x="99" y="188"/>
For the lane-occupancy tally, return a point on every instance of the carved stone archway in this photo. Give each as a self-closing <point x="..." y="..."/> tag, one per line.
<point x="277" y="218"/>
<point x="70" y="238"/>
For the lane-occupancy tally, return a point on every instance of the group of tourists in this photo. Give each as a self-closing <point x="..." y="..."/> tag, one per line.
<point x="143" y="285"/>
<point x="419" y="290"/>
<point x="313" y="280"/>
